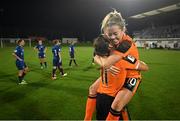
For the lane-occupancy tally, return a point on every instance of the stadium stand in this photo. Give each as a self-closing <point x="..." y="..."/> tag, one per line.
<point x="170" y="31"/>
<point x="159" y="37"/>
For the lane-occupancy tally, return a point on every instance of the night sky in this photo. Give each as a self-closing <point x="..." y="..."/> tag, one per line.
<point x="67" y="18"/>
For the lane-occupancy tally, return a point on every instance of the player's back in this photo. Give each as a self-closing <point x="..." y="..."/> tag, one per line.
<point x="55" y="50"/>
<point x="110" y="84"/>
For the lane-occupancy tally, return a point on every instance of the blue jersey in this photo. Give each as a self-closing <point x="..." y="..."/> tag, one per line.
<point x="40" y="48"/>
<point x="19" y="51"/>
<point x="55" y="50"/>
<point x="71" y="48"/>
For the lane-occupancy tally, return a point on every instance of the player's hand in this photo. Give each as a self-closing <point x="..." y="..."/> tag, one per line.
<point x="114" y="70"/>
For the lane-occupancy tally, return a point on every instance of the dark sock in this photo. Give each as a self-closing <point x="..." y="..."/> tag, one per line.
<point x="45" y="63"/>
<point x="61" y="70"/>
<point x="23" y="75"/>
<point x="41" y="64"/>
<point x="75" y="62"/>
<point x="70" y="62"/>
<point x="53" y="72"/>
<point x="113" y="115"/>
<point x="20" y="79"/>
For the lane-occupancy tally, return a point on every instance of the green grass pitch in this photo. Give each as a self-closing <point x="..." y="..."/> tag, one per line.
<point x="65" y="98"/>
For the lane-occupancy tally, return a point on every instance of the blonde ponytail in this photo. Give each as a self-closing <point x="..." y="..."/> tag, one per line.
<point x="113" y="18"/>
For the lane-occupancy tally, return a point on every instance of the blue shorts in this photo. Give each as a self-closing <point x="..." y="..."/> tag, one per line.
<point x="57" y="62"/>
<point x="72" y="55"/>
<point x="20" y="65"/>
<point x="41" y="55"/>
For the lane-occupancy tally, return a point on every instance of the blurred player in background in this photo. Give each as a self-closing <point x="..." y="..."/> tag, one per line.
<point x="71" y="53"/>
<point x="93" y="58"/>
<point x="57" y="60"/>
<point x="41" y="49"/>
<point x="20" y="64"/>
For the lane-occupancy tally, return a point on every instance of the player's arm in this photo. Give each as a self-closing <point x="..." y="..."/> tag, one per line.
<point x="107" y="62"/>
<point x="69" y="49"/>
<point x="45" y="49"/>
<point x="120" y="52"/>
<point x="98" y="60"/>
<point x="130" y="61"/>
<point x="17" y="57"/>
<point x="142" y="66"/>
<point x="59" y="53"/>
<point x="36" y="49"/>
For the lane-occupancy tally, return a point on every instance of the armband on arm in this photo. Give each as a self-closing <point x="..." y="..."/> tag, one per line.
<point x="123" y="48"/>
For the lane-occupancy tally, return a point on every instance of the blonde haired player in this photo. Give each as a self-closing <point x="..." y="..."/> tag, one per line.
<point x="113" y="26"/>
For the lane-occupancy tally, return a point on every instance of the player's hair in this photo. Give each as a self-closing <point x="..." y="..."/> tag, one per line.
<point x="55" y="41"/>
<point x="101" y="46"/>
<point x="19" y="41"/>
<point x="113" y="18"/>
<point x="39" y="40"/>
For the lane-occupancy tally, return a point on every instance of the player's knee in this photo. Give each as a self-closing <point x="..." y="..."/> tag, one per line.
<point x="92" y="91"/>
<point x="26" y="70"/>
<point x="20" y="73"/>
<point x="54" y="67"/>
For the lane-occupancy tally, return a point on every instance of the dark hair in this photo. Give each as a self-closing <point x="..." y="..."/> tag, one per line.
<point x="19" y="41"/>
<point x="55" y="41"/>
<point x="101" y="46"/>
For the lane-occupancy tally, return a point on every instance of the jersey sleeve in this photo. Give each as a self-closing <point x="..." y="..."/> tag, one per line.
<point x="16" y="51"/>
<point x="69" y="48"/>
<point x="130" y="62"/>
<point x="123" y="49"/>
<point x="59" y="49"/>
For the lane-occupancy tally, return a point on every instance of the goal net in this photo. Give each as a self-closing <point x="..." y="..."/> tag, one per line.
<point x="10" y="42"/>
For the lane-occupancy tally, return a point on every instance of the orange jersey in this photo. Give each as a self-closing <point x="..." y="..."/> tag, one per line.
<point x="110" y="84"/>
<point x="130" y="53"/>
